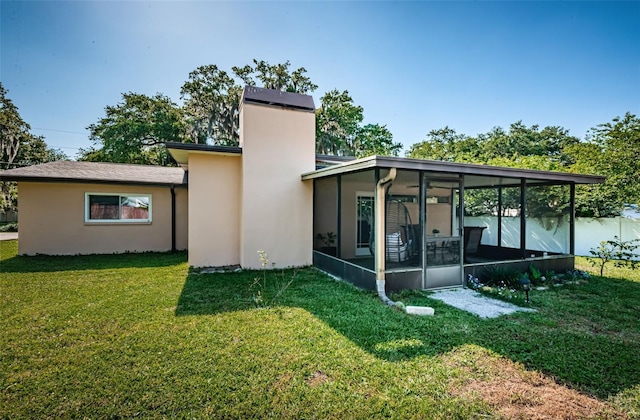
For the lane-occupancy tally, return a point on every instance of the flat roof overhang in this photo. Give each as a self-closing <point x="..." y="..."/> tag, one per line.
<point x="476" y="175"/>
<point x="180" y="151"/>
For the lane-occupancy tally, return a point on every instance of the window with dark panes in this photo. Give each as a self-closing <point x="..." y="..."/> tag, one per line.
<point x="117" y="207"/>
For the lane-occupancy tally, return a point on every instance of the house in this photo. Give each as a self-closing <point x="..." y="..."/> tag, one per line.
<point x="69" y="208"/>
<point x="273" y="193"/>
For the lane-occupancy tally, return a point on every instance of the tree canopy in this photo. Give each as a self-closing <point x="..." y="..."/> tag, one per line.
<point x="212" y="96"/>
<point x="339" y="129"/>
<point x="13" y="129"/>
<point x="135" y="130"/>
<point x="18" y="147"/>
<point x="612" y="149"/>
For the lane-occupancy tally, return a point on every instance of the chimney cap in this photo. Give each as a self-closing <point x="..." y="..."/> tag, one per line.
<point x="273" y="97"/>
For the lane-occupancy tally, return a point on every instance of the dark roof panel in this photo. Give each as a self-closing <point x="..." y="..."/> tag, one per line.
<point x="274" y="97"/>
<point x="97" y="172"/>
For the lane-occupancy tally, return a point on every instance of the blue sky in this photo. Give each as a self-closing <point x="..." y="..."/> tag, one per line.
<point x="414" y="66"/>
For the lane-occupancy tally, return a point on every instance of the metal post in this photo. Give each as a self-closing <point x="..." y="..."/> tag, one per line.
<point x="572" y="218"/>
<point x="339" y="217"/>
<point x="499" y="217"/>
<point x="423" y="227"/>
<point x="523" y="219"/>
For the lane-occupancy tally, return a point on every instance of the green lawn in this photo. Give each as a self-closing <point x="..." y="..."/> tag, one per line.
<point x="141" y="336"/>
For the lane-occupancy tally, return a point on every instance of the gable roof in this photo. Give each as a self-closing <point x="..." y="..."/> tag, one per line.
<point x="97" y="172"/>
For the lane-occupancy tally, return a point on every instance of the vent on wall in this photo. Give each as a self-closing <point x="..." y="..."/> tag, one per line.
<point x="438" y="200"/>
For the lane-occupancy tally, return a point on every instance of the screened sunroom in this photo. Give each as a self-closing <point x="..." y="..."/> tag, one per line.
<point x="439" y="221"/>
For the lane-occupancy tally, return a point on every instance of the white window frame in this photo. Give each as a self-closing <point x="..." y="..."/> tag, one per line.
<point x="87" y="209"/>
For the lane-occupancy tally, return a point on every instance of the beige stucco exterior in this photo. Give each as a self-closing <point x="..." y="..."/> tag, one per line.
<point x="325" y="217"/>
<point x="278" y="145"/>
<point x="215" y="185"/>
<point x="52" y="221"/>
<point x="239" y="200"/>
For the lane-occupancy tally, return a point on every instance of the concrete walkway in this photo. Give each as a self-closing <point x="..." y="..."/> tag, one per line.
<point x="476" y="303"/>
<point x="7" y="236"/>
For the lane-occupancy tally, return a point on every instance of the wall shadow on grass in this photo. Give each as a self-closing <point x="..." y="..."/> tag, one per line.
<point x="47" y="263"/>
<point x="601" y="362"/>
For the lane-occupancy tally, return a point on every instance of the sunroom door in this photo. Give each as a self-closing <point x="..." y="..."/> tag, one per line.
<point x="443" y="238"/>
<point x="364" y="222"/>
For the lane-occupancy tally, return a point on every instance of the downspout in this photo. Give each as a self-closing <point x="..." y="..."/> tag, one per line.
<point x="380" y="239"/>
<point x="173" y="218"/>
<point x="380" y="248"/>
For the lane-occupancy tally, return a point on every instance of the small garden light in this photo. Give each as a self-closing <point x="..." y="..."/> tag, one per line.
<point x="526" y="286"/>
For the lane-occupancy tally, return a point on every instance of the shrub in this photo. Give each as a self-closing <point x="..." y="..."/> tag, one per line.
<point x="536" y="277"/>
<point x="501" y="276"/>
<point x="9" y="227"/>
<point x="622" y="252"/>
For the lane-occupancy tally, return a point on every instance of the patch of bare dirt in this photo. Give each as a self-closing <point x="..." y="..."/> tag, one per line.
<point x="515" y="393"/>
<point x="317" y="378"/>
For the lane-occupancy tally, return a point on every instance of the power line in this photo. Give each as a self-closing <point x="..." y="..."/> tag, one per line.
<point x="58" y="131"/>
<point x="65" y="147"/>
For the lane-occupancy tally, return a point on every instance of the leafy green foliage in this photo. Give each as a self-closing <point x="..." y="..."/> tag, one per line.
<point x="13" y="129"/>
<point x="376" y="139"/>
<point x="622" y="253"/>
<point x="9" y="227"/>
<point x="535" y="275"/>
<point x="18" y="147"/>
<point x="337" y="122"/>
<point x="501" y="276"/>
<point x="135" y="130"/>
<point x="276" y="76"/>
<point x="212" y="96"/>
<point x="211" y="104"/>
<point x="446" y="145"/>
<point x="339" y="130"/>
<point x="612" y="150"/>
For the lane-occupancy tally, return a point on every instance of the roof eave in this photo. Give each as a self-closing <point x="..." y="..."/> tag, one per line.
<point x="18" y="178"/>
<point x="180" y="151"/>
<point x="451" y="167"/>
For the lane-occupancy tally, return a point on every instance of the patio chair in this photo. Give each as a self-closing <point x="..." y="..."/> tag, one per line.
<point x="399" y="233"/>
<point x="472" y="238"/>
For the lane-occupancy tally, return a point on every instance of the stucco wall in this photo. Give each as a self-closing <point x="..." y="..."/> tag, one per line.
<point x="52" y="221"/>
<point x="182" y="218"/>
<point x="214" y="210"/>
<point x="325" y="207"/>
<point x="278" y="146"/>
